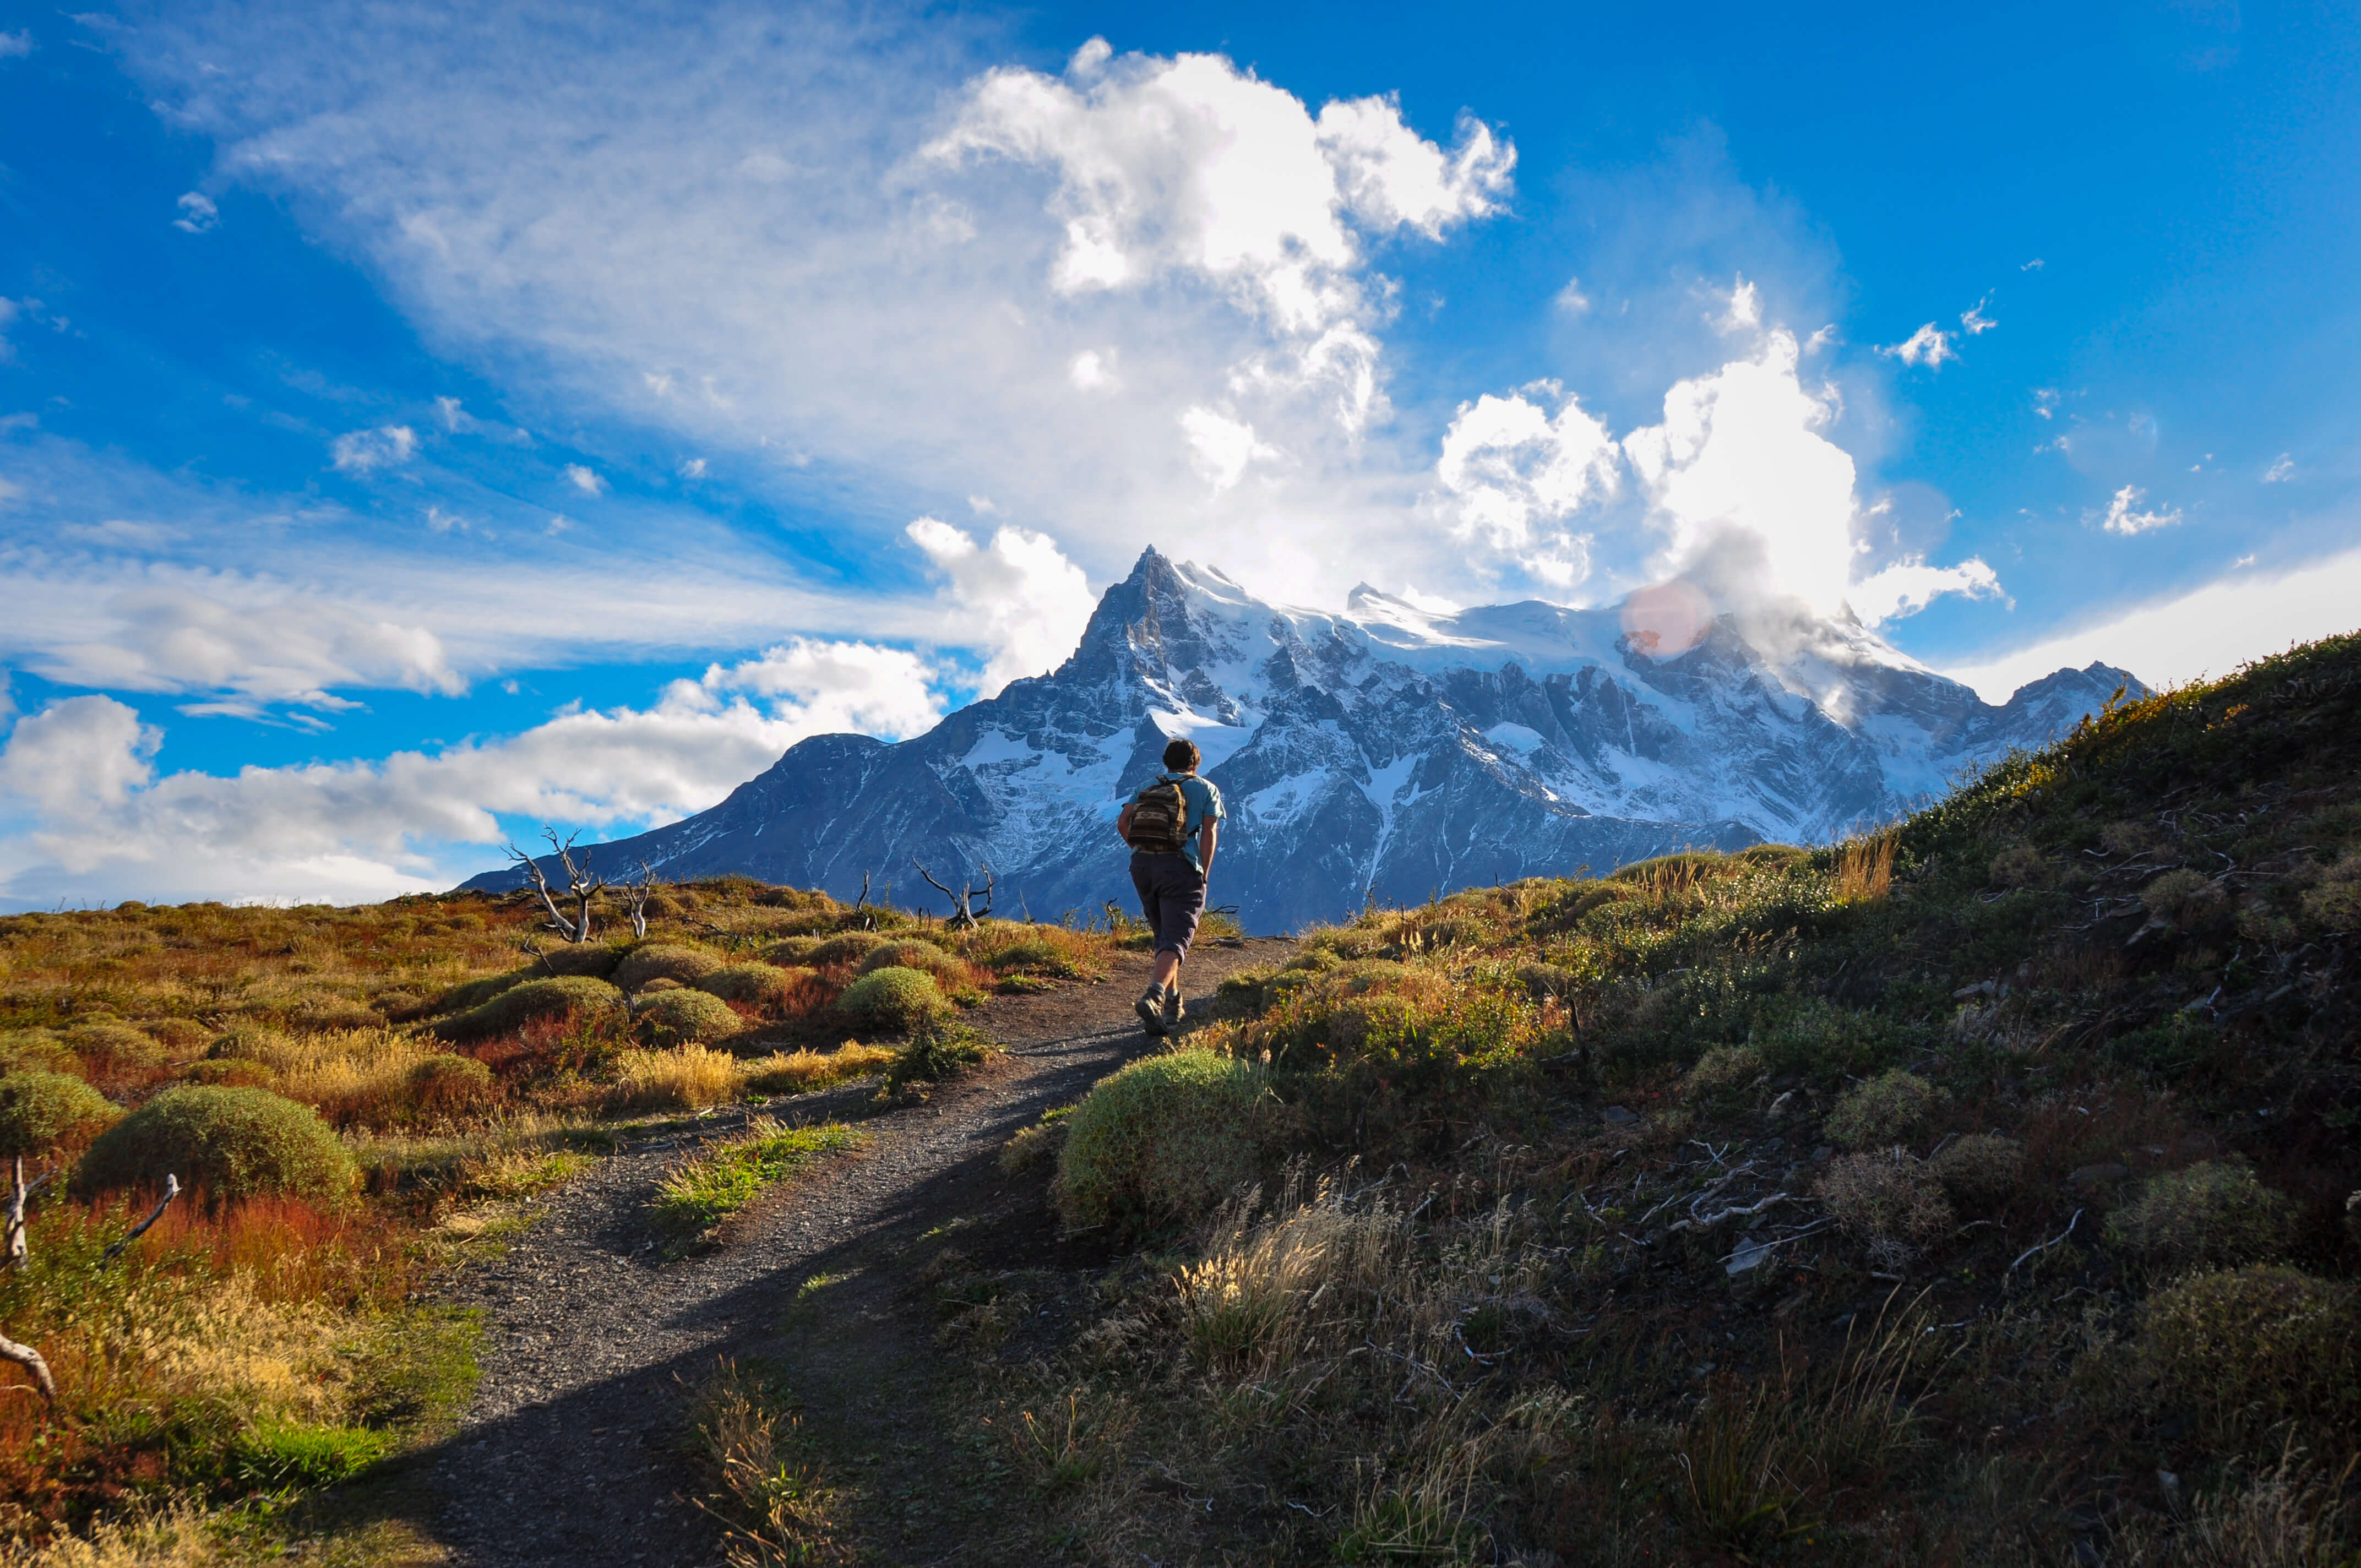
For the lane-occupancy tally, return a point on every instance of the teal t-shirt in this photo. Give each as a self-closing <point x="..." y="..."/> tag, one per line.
<point x="1201" y="803"/>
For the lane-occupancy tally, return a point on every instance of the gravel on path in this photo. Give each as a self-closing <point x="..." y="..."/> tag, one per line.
<point x="575" y="1447"/>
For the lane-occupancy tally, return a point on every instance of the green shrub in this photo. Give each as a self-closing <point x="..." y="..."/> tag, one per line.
<point x="43" y="1111"/>
<point x="232" y="1143"/>
<point x="1891" y="1202"/>
<point x="444" y="1086"/>
<point x="791" y="951"/>
<point x="2215" y="1216"/>
<point x="667" y="960"/>
<point x="1163" y="1141"/>
<point x="278" y="1454"/>
<point x="1824" y="1042"/>
<point x="1887" y="1110"/>
<point x="939" y="1047"/>
<point x="1541" y="980"/>
<point x="1978" y="1169"/>
<point x="911" y="953"/>
<point x="520" y="1004"/>
<point x="1724" y="1076"/>
<point x="844" y="948"/>
<point x="35" y="1049"/>
<point x="2335" y="901"/>
<point x="683" y="1018"/>
<point x="2247" y="1350"/>
<point x="757" y="986"/>
<point x="1033" y="954"/>
<point x="2186" y="898"/>
<point x="476" y="993"/>
<point x="892" y="998"/>
<point x="595" y="958"/>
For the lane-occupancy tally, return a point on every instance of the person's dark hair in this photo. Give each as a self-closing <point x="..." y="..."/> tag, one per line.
<point x="1181" y="756"/>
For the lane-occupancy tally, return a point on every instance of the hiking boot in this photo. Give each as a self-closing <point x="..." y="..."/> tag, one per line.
<point x="1172" y="1010"/>
<point x="1150" y="1008"/>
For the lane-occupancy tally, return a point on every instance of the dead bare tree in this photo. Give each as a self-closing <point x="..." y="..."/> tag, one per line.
<point x="13" y="1252"/>
<point x="963" y="910"/>
<point x="635" y="892"/>
<point x="581" y="887"/>
<point x="862" y="903"/>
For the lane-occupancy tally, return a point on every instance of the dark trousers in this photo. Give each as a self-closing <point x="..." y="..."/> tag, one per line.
<point x="1173" y="897"/>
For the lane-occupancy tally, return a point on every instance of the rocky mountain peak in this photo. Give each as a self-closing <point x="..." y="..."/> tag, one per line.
<point x="1390" y="751"/>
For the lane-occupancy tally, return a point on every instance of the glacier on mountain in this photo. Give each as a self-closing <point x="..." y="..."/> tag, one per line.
<point x="1386" y="754"/>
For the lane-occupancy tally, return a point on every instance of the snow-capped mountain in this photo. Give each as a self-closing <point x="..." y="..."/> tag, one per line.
<point x="1388" y="753"/>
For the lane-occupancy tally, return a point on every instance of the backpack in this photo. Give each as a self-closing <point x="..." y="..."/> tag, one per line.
<point x="1156" y="822"/>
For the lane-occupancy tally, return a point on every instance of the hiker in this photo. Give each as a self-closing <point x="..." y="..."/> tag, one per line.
<point x="1169" y="868"/>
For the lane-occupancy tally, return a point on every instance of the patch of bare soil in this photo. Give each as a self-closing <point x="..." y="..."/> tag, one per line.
<point x="577" y="1448"/>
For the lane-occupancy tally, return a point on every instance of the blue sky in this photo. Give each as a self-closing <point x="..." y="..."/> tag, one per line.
<point x="417" y="423"/>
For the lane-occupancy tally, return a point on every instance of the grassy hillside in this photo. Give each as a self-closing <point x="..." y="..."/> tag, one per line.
<point x="1974" y="1192"/>
<point x="358" y="1098"/>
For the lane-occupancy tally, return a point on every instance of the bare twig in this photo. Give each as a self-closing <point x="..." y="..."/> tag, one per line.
<point x="26" y="1357"/>
<point x="2044" y="1246"/>
<point x="636" y="891"/>
<point x="1707" y="1222"/>
<point x="172" y="1191"/>
<point x="963" y="910"/>
<point x="581" y="887"/>
<point x="12" y="1251"/>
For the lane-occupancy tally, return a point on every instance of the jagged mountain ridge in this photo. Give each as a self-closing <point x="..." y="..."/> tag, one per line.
<point x="1385" y="753"/>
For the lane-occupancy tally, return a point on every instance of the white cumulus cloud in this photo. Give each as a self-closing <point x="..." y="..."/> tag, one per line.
<point x="1930" y="346"/>
<point x="1516" y="473"/>
<point x="1018" y="598"/>
<point x="1741" y="454"/>
<point x="1222" y="447"/>
<point x="103" y="824"/>
<point x="1909" y="585"/>
<point x="2122" y="517"/>
<point x="365" y="451"/>
<point x="198" y="213"/>
<point x="1189" y="165"/>
<point x="2208" y="630"/>
<point x="583" y="479"/>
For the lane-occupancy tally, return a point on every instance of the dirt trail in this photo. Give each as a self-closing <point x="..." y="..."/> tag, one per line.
<point x="574" y="1449"/>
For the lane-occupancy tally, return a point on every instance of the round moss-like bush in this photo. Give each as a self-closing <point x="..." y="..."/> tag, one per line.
<point x="892" y="998"/>
<point x="1887" y="1200"/>
<point x="581" y="958"/>
<point x="21" y="1048"/>
<point x="476" y="993"/>
<point x="443" y="1086"/>
<point x="684" y="1017"/>
<point x="844" y="948"/>
<point x="2252" y="1351"/>
<point x="755" y="985"/>
<point x="2215" y="1216"/>
<point x="666" y="961"/>
<point x="43" y="1111"/>
<point x="521" y="1005"/>
<point x="1978" y="1169"/>
<point x="1891" y="1108"/>
<point x="789" y="952"/>
<point x="1723" y="1076"/>
<point x="2186" y="898"/>
<point x="910" y="953"/>
<point x="1163" y="1141"/>
<point x="229" y="1143"/>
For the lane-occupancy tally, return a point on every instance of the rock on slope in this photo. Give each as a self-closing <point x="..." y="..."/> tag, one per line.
<point x="1385" y="753"/>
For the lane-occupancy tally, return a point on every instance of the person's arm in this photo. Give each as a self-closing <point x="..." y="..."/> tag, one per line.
<point x="1205" y="837"/>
